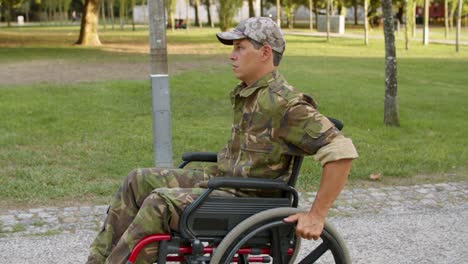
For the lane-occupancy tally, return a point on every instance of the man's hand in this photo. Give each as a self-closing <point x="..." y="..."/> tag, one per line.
<point x="308" y="226"/>
<point x="334" y="175"/>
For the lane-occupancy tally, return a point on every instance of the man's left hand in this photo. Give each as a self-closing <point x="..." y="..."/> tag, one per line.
<point x="308" y="226"/>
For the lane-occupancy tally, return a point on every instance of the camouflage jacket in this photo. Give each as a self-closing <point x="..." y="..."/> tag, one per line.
<point x="272" y="122"/>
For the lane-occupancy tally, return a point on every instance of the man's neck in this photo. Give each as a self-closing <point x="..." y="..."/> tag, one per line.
<point x="260" y="75"/>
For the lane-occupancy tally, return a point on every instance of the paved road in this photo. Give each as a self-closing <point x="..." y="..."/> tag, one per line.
<point x="416" y="224"/>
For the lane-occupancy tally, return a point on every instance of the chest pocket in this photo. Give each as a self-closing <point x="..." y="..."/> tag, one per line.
<point x="261" y="147"/>
<point x="257" y="149"/>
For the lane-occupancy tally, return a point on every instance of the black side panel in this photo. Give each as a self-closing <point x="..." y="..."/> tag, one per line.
<point x="218" y="215"/>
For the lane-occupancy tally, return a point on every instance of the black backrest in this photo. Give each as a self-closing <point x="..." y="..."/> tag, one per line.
<point x="296" y="167"/>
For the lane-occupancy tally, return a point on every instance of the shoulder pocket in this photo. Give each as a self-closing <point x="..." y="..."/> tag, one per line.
<point x="317" y="126"/>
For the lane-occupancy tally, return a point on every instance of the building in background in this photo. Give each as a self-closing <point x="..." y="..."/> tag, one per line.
<point x="140" y="13"/>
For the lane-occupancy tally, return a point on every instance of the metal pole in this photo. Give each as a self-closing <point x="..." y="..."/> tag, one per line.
<point x="162" y="133"/>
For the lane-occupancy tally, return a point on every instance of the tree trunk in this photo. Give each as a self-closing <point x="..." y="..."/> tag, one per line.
<point x="355" y="5"/>
<point x="60" y="16"/>
<point x="460" y="5"/>
<point x="414" y="19"/>
<point x="103" y="14"/>
<point x="197" y="18"/>
<point x="316" y="13"/>
<point x="391" y="113"/>
<point x="328" y="20"/>
<point x="8" y="13"/>
<point x="49" y="13"/>
<point x="261" y="8"/>
<point x="452" y="14"/>
<point x="208" y="12"/>
<point x="366" y="22"/>
<point x="251" y="8"/>
<point x="170" y="10"/>
<point x="133" y="17"/>
<point x="122" y="14"/>
<point x="426" y="23"/>
<point x="278" y="13"/>
<point x="311" y="17"/>
<point x="89" y="24"/>
<point x="446" y="18"/>
<point x="409" y="19"/>
<point x="111" y="13"/>
<point x="289" y="10"/>
<point x="187" y="18"/>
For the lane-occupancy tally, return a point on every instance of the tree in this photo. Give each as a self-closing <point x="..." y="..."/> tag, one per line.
<point x="409" y="21"/>
<point x="366" y="22"/>
<point x="196" y="4"/>
<point x="132" y="4"/>
<point x="416" y="3"/>
<point x="89" y="24"/>
<point x="187" y="18"/>
<point x="226" y="11"/>
<point x="289" y="7"/>
<point x="26" y="8"/>
<point x="453" y="8"/>
<point x="103" y="13"/>
<point x="171" y="6"/>
<point x="207" y="4"/>
<point x="278" y="13"/>
<point x="328" y="19"/>
<point x="311" y="17"/>
<point x="111" y="12"/>
<point x="122" y="7"/>
<point x="9" y="4"/>
<point x="426" y="22"/>
<point x="460" y="6"/>
<point x="446" y="25"/>
<point x="391" y="113"/>
<point x="355" y="7"/>
<point x="251" y="8"/>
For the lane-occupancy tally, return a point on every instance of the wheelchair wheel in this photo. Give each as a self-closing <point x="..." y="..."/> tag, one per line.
<point x="329" y="248"/>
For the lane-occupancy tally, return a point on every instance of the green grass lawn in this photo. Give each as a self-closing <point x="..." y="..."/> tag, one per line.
<point x="75" y="142"/>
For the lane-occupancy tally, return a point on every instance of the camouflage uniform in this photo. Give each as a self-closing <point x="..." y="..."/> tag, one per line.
<point x="272" y="122"/>
<point x="148" y="202"/>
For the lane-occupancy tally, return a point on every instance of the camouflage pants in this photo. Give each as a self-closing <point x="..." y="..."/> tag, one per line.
<point x="150" y="201"/>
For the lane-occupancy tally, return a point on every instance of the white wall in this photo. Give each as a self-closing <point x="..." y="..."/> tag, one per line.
<point x="140" y="13"/>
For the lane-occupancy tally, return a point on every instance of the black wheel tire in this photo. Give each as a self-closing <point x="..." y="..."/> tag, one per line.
<point x="331" y="238"/>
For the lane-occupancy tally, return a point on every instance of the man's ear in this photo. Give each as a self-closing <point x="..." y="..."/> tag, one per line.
<point x="267" y="52"/>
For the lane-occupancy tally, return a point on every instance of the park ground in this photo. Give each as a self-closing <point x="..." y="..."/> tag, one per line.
<point x="75" y="120"/>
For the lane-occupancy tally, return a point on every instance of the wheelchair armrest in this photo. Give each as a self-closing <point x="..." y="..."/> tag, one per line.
<point x="198" y="156"/>
<point x="247" y="183"/>
<point x="338" y="124"/>
<point x="254" y="183"/>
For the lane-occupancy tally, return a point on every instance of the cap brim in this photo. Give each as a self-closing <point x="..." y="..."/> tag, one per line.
<point x="227" y="38"/>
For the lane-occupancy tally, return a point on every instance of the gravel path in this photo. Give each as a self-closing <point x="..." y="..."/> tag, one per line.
<point x="412" y="224"/>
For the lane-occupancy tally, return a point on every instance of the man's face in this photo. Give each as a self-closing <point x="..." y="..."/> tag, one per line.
<point x="246" y="61"/>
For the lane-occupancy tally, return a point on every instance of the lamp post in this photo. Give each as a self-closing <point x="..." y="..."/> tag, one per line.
<point x="160" y="99"/>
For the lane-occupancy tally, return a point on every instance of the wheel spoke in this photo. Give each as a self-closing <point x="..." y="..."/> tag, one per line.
<point x="330" y="245"/>
<point x="316" y="254"/>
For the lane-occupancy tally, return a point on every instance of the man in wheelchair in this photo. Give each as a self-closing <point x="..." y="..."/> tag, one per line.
<point x="272" y="123"/>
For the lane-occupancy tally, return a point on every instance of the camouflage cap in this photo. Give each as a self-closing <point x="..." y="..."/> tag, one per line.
<point x="260" y="29"/>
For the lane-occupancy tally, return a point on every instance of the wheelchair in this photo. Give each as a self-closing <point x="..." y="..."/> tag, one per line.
<point x="223" y="230"/>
